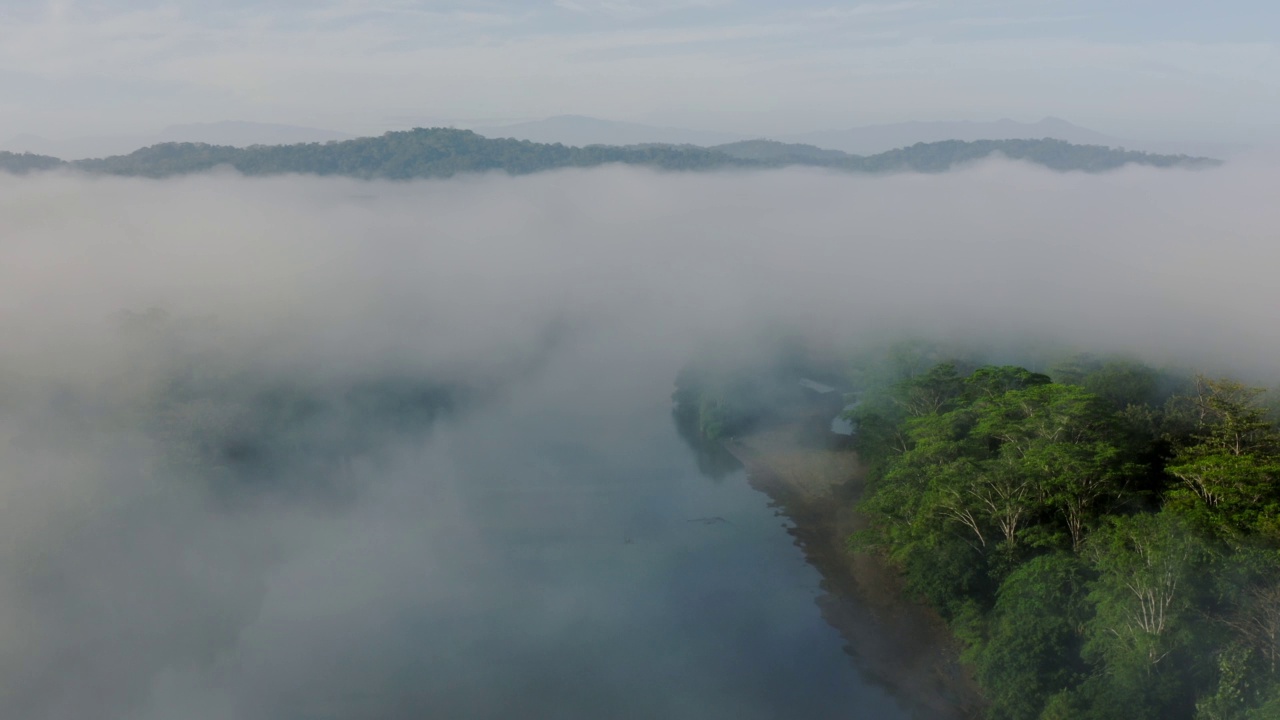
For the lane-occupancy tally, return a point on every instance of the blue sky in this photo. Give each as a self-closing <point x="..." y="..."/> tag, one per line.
<point x="1136" y="68"/>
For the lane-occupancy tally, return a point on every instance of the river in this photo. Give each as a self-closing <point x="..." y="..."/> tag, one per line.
<point x="584" y="567"/>
<point x="555" y="550"/>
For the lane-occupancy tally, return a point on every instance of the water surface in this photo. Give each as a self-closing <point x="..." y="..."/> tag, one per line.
<point x="576" y="563"/>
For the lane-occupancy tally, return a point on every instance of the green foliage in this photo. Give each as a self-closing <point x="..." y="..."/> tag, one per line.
<point x="1033" y="626"/>
<point x="998" y="453"/>
<point x="1229" y="701"/>
<point x="718" y="405"/>
<point x="1230" y="465"/>
<point x="1148" y="567"/>
<point x="718" y="396"/>
<point x="1106" y="548"/>
<point x="1269" y="710"/>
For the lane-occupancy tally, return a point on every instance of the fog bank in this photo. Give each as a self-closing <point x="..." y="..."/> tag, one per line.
<point x="424" y="357"/>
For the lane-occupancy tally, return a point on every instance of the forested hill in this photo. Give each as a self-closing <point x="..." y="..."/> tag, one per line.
<point x="21" y="163"/>
<point x="444" y="152"/>
<point x="942" y="156"/>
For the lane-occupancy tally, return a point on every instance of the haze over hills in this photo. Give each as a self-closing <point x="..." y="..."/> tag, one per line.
<point x="861" y="140"/>
<point x="879" y="138"/>
<point x="584" y="130"/>
<point x="871" y="139"/>
<point x="232" y="133"/>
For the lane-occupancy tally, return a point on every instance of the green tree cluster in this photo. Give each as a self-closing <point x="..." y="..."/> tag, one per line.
<point x="1106" y="545"/>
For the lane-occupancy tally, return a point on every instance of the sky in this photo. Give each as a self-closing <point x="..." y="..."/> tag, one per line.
<point x="1132" y="68"/>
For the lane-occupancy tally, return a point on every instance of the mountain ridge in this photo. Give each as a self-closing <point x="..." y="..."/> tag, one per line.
<point x="867" y="139"/>
<point x="444" y="152"/>
<point x="860" y="139"/>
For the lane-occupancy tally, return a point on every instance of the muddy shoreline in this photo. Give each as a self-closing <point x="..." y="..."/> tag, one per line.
<point x="898" y="643"/>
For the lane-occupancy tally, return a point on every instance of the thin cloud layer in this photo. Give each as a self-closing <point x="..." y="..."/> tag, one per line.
<point x="132" y="66"/>
<point x="145" y="320"/>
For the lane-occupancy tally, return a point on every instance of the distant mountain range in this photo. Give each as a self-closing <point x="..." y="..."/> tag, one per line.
<point x="580" y="130"/>
<point x="867" y="140"/>
<point x="583" y="130"/>
<point x="444" y="152"/>
<point x="229" y="133"/>
<point x="864" y="140"/>
<point x="879" y="138"/>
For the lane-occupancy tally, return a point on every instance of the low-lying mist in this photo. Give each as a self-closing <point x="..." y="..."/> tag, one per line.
<point x="251" y="427"/>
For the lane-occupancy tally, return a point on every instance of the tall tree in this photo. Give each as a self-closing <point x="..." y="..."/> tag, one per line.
<point x="1146" y="566"/>
<point x="1062" y="440"/>
<point x="1231" y="463"/>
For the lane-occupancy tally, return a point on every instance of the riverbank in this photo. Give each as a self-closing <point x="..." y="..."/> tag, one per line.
<point x="900" y="644"/>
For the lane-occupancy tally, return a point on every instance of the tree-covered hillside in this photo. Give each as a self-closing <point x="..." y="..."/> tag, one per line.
<point x="1053" y="154"/>
<point x="942" y="156"/>
<point x="22" y="163"/>
<point x="771" y="151"/>
<point x="421" y="153"/>
<point x="445" y="152"/>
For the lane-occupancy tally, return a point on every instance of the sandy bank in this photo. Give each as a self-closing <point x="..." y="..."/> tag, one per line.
<point x="902" y="645"/>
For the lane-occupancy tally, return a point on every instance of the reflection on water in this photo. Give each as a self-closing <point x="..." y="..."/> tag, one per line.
<point x="841" y="424"/>
<point x="713" y="460"/>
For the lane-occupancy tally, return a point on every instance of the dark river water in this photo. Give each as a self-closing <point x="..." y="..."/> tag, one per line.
<point x="646" y="589"/>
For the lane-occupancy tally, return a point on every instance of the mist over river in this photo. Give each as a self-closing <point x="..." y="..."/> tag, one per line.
<point x="575" y="564"/>
<point x="311" y="544"/>
<point x="558" y="554"/>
